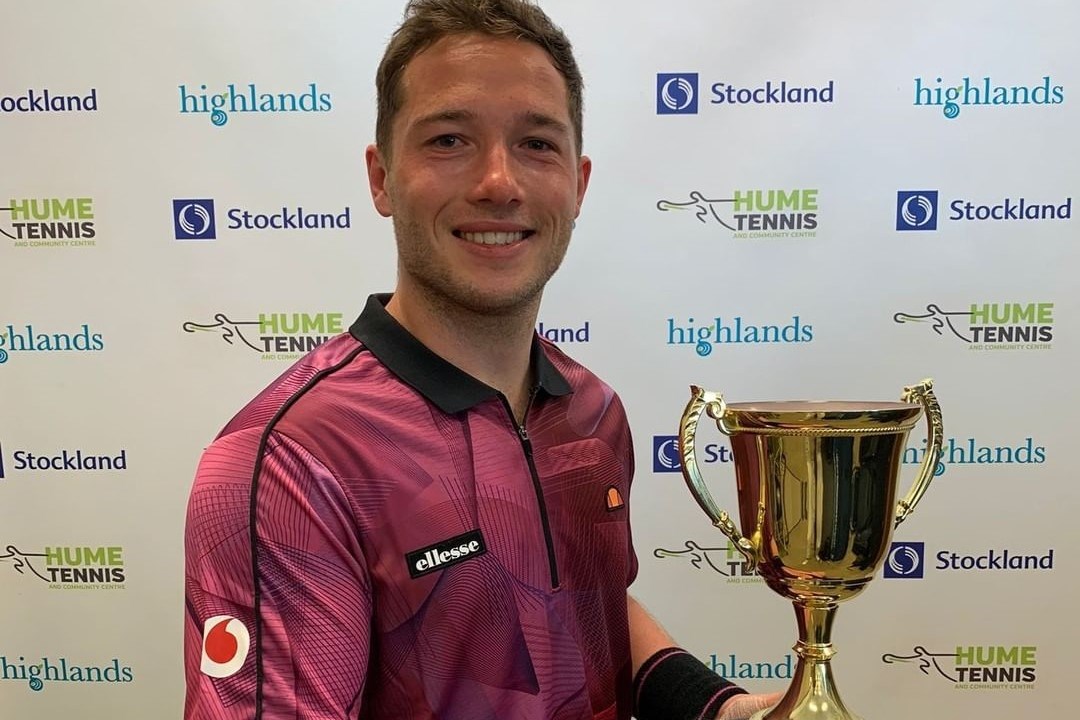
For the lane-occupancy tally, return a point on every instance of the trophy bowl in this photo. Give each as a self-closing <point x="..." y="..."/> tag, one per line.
<point x="817" y="483"/>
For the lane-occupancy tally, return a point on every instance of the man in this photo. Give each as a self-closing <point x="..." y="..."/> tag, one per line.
<point x="427" y="517"/>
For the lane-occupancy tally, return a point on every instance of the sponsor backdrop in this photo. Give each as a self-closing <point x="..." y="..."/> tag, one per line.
<point x="787" y="202"/>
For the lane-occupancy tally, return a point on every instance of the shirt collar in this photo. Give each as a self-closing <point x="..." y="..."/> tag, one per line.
<point x="442" y="383"/>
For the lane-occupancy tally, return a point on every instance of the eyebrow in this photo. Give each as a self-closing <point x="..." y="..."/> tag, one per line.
<point x="529" y="118"/>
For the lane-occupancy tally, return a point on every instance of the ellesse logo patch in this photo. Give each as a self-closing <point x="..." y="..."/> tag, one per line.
<point x="446" y="553"/>
<point x="225" y="646"/>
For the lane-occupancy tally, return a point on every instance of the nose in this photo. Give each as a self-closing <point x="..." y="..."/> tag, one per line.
<point x="497" y="180"/>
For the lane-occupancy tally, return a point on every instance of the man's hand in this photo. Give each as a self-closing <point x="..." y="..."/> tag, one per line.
<point x="741" y="707"/>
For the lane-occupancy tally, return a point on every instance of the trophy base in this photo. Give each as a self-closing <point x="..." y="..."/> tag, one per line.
<point x="760" y="715"/>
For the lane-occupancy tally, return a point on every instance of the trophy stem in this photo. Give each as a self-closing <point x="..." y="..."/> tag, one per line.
<point x="812" y="694"/>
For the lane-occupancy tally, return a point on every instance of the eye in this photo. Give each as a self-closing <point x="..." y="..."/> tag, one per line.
<point x="539" y="145"/>
<point x="446" y="141"/>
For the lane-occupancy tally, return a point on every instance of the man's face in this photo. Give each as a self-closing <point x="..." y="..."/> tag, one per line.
<point x="483" y="180"/>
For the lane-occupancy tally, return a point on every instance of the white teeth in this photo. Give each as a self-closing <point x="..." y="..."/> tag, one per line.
<point x="493" y="238"/>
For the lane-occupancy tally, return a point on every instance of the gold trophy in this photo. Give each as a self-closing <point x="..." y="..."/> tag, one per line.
<point x="817" y="504"/>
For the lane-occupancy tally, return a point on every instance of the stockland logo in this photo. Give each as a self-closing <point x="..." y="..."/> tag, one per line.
<point x="975" y="667"/>
<point x="275" y="336"/>
<point x="677" y="93"/>
<point x="70" y="568"/>
<point x="76" y="460"/>
<point x="27" y="338"/>
<point x="45" y="101"/>
<point x="38" y="672"/>
<point x="918" y="210"/>
<point x="985" y="93"/>
<point x="250" y="99"/>
<point x="969" y="451"/>
<point x="736" y="331"/>
<point x="725" y="560"/>
<point x="564" y="333"/>
<point x="666" y="457"/>
<point x="193" y="219"/>
<point x="49" y="222"/>
<point x="905" y="560"/>
<point x="990" y="326"/>
<point x="750" y="214"/>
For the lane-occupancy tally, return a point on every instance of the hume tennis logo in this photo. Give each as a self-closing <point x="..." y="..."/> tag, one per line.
<point x="49" y="222"/>
<point x="754" y="213"/>
<point x="70" y="568"/>
<point x="975" y="667"/>
<point x="240" y="99"/>
<point x="990" y="326"/>
<point x="275" y="336"/>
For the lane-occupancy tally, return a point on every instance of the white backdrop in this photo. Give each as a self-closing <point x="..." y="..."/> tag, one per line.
<point x="108" y="384"/>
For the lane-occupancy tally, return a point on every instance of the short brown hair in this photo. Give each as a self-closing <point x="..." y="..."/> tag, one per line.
<point x="427" y="21"/>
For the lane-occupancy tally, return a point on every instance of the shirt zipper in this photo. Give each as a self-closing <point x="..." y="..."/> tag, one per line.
<point x="526" y="447"/>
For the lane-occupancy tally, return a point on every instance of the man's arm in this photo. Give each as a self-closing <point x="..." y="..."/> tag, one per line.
<point x="665" y="675"/>
<point x="277" y="620"/>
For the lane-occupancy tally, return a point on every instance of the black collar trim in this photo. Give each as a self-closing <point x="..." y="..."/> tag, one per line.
<point x="442" y="383"/>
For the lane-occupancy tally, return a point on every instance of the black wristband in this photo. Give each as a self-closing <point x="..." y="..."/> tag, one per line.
<point x="675" y="685"/>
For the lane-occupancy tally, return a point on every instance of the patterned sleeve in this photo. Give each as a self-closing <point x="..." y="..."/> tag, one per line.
<point x="277" y="620"/>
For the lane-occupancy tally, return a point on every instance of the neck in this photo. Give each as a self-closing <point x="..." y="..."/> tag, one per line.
<point x="494" y="348"/>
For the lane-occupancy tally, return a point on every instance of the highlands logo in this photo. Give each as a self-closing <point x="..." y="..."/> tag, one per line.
<point x="70" y="568"/>
<point x="985" y="93"/>
<point x="247" y="99"/>
<point x="49" y="222"/>
<point x="991" y="326"/>
<point x="736" y="331"/>
<point x="732" y="668"/>
<point x="666" y="457"/>
<point x="969" y="451"/>
<point x="51" y="670"/>
<point x="918" y="210"/>
<point x="193" y="219"/>
<point x="751" y="214"/>
<point x="971" y="667"/>
<point x="275" y="336"/>
<point x="27" y="339"/>
<point x="38" y="101"/>
<point x="677" y="93"/>
<point x="726" y="561"/>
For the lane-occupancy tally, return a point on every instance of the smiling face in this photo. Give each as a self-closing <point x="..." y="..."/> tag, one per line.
<point x="484" y="179"/>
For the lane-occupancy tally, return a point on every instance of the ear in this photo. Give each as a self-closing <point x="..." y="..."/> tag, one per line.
<point x="376" y="172"/>
<point x="583" y="173"/>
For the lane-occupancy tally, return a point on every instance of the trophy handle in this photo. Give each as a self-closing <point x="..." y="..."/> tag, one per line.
<point x="923" y="394"/>
<point x="713" y="404"/>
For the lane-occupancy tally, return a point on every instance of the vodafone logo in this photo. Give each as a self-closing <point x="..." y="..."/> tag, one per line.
<point x="225" y="646"/>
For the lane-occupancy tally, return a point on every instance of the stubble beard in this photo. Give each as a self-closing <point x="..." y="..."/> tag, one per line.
<point x="458" y="300"/>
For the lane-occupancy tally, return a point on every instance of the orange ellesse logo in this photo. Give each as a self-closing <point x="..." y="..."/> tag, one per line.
<point x="614" y="498"/>
<point x="225" y="646"/>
